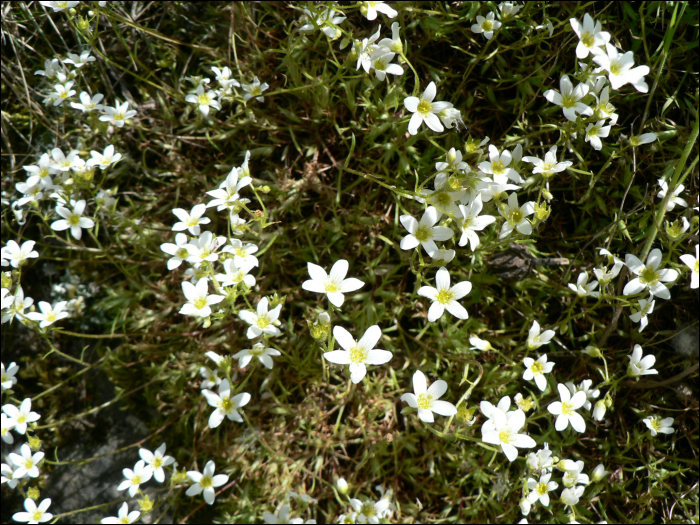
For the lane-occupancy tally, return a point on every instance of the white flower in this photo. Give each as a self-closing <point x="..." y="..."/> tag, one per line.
<point x="254" y="89"/>
<point x="226" y="406"/>
<point x="479" y="344"/>
<point x="204" y="100"/>
<point x="497" y="165"/>
<point x="599" y="473"/>
<point x="604" y="274"/>
<point x="261" y="322"/>
<point x="38" y="514"/>
<point x="549" y="166"/>
<point x="156" y="461"/>
<point x="370" y="511"/>
<point x="595" y="131"/>
<point x="326" y="21"/>
<point x="425" y="110"/>
<point x="134" y="478"/>
<point x="117" y="115"/>
<point x="380" y="60"/>
<point x="536" y="370"/>
<point x="640" y="366"/>
<point x="17" y="307"/>
<point x="424" y="233"/>
<point x="571" y="496"/>
<point x="591" y="38"/>
<point x="394" y="43"/>
<point x="211" y="377"/>
<point x="535" y="339"/>
<point x="565" y="410"/>
<point x="281" y="517"/>
<point x="445" y="200"/>
<point x="204" y="248"/>
<point x="41" y="172"/>
<point x="8" y="475"/>
<point x="178" y="251"/>
<point x="27" y="463"/>
<point x="674" y="199"/>
<point x="51" y="68"/>
<point x="206" y="482"/>
<point x="191" y="221"/>
<point x="72" y="219"/>
<point x="199" y="300"/>
<point x="515" y="216"/>
<point x="504" y="432"/>
<point x="486" y="25"/>
<point x="333" y="285"/>
<point x="57" y="6"/>
<point x="49" y="314"/>
<point x="226" y="195"/>
<point x="539" y="490"/>
<point x="263" y="354"/>
<point x="88" y="103"/>
<point x="649" y="275"/>
<point x="620" y="71"/>
<point x="17" y="254"/>
<point x="470" y="223"/>
<point x="508" y="10"/>
<point x="451" y="117"/>
<point x="584" y="386"/>
<point x="242" y="254"/>
<point x="358" y="354"/>
<point x="123" y="516"/>
<point x="692" y="263"/>
<point x="223" y="77"/>
<point x="570" y="98"/>
<point x="444" y="297"/>
<point x="61" y="93"/>
<point x="487" y="409"/>
<point x="79" y="60"/>
<point x="603" y="108"/>
<point x="574" y="475"/>
<point x="236" y="274"/>
<point x="19" y="417"/>
<point x="644" y="138"/>
<point x="106" y="159"/>
<point x="370" y="9"/>
<point x="657" y="425"/>
<point x="583" y="288"/>
<point x="542" y="459"/>
<point x="63" y="163"/>
<point x="426" y="400"/>
<point x="643" y="308"/>
<point x="363" y="49"/>
<point x="8" y="376"/>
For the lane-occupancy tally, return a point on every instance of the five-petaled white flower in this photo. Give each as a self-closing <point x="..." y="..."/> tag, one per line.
<point x="199" y="300"/>
<point x="640" y="366"/>
<point x="571" y="496"/>
<point x="503" y="430"/>
<point x="20" y="417"/>
<point x="549" y="166"/>
<point x="539" y="489"/>
<point x="425" y="110"/>
<point x="649" y="275"/>
<point x="333" y="285"/>
<point x="17" y="254"/>
<point x="263" y="321"/>
<point x="424" y="233"/>
<point x="254" y="89"/>
<point x="223" y="77"/>
<point x="498" y="165"/>
<point x="8" y="375"/>
<point x="204" y="100"/>
<point x="123" y="516"/>
<point x="370" y="9"/>
<point x="242" y="254"/>
<point x="134" y="478"/>
<point x="486" y="25"/>
<point x="49" y="314"/>
<point x="79" y="60"/>
<point x="227" y="194"/>
<point x="591" y="37"/>
<point x="535" y="339"/>
<point x="36" y="514"/>
<point x="674" y="199"/>
<point x="640" y="312"/>
<point x="72" y="219"/>
<point x="358" y="354"/>
<point x="565" y="410"/>
<point x="178" y="251"/>
<point x="263" y="354"/>
<point x="88" y="103"/>
<point x="369" y="511"/>
<point x="27" y="463"/>
<point x="191" y="221"/>
<point x="657" y="425"/>
<point x="236" y="274"/>
<point x="536" y="370"/>
<point x="156" y="461"/>
<point x="692" y="263"/>
<point x="206" y="482"/>
<point x="326" y="20"/>
<point x="619" y="68"/>
<point x="516" y="216"/>
<point x="583" y="288"/>
<point x="226" y="406"/>
<point x="117" y="115"/>
<point x="594" y="132"/>
<point x="570" y="98"/>
<point x="106" y="159"/>
<point x="426" y="400"/>
<point x="444" y="297"/>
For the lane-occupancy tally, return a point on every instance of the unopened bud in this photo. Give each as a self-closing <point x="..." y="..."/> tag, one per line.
<point x="34" y="443"/>
<point x="321" y="328"/>
<point x="593" y="351"/>
<point x="342" y="486"/>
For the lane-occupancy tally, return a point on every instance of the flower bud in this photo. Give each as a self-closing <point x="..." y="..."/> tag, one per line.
<point x="593" y="351"/>
<point x="342" y="486"/>
<point x="6" y="280"/>
<point x="599" y="473"/>
<point x="525" y="506"/>
<point x="542" y="211"/>
<point x="599" y="410"/>
<point x="677" y="228"/>
<point x="451" y="156"/>
<point x="321" y="328"/>
<point x="33" y="493"/>
<point x="466" y="415"/>
<point x="146" y="504"/>
<point x="547" y="195"/>
<point x="34" y="443"/>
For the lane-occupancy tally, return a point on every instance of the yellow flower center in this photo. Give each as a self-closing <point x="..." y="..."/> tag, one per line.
<point x="206" y="482"/>
<point x="192" y="221"/>
<point x="536" y="367"/>
<point x="593" y="132"/>
<point x="28" y="463"/>
<point x="487" y="25"/>
<point x="157" y="462"/>
<point x="380" y="64"/>
<point x="444" y="296"/>
<point x="124" y="519"/>
<point x="424" y="401"/>
<point x="263" y="321"/>
<point x="226" y="404"/>
<point x="515" y="216"/>
<point x="568" y="101"/>
<point x="257" y="350"/>
<point x="548" y="167"/>
<point x="655" y="424"/>
<point x="204" y="99"/>
<point x="541" y="489"/>
<point x="423" y="233"/>
<point x="136" y="480"/>
<point x="649" y="276"/>
<point x="37" y="515"/>
<point x="587" y="39"/>
<point x="255" y="91"/>
<point x="504" y="436"/>
<point x="200" y="303"/>
<point x="118" y="116"/>
<point x="567" y="408"/>
<point x="73" y="219"/>
<point x="332" y="287"/>
<point x="424" y="107"/>
<point x="358" y="355"/>
<point x="182" y="253"/>
<point x="696" y="268"/>
<point x="615" y="68"/>
<point x="497" y="167"/>
<point x="50" y="317"/>
<point x="368" y="509"/>
<point x="241" y="252"/>
<point x="443" y="199"/>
